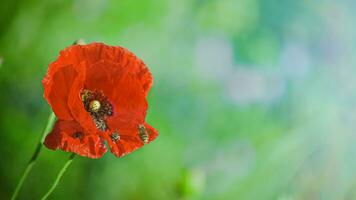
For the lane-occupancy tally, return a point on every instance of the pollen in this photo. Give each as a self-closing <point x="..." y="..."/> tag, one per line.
<point x="94" y="106"/>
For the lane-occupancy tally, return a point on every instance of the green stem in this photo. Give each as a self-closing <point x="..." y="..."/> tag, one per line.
<point x="59" y="176"/>
<point x="31" y="163"/>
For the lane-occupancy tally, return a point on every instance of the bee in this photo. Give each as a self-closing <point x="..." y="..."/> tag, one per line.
<point x="100" y="123"/>
<point x="115" y="136"/>
<point x="142" y="132"/>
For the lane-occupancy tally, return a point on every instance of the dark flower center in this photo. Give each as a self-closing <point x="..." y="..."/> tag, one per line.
<point x="98" y="106"/>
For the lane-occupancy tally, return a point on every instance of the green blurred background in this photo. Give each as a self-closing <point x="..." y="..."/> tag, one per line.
<point x="253" y="99"/>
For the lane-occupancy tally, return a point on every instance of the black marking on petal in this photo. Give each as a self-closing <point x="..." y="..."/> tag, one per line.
<point x="142" y="132"/>
<point x="77" y="135"/>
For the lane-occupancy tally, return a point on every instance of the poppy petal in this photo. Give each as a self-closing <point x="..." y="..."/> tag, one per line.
<point x="71" y="137"/>
<point x="75" y="103"/>
<point x="57" y="84"/>
<point x="129" y="100"/>
<point x="144" y="75"/>
<point x="127" y="140"/>
<point x="132" y="64"/>
<point x="99" y="77"/>
<point x="75" y="54"/>
<point x="96" y="52"/>
<point x="91" y="53"/>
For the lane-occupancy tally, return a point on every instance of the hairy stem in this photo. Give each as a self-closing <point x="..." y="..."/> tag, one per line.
<point x="59" y="176"/>
<point x="31" y="163"/>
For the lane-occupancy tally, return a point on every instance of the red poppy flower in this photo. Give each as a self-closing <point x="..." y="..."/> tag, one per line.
<point x="98" y="94"/>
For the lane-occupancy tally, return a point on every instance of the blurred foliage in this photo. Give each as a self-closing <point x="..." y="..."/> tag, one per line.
<point x="253" y="99"/>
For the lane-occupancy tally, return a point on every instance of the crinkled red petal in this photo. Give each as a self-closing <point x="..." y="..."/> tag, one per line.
<point x="128" y="99"/>
<point x="95" y="52"/>
<point x="57" y="85"/>
<point x="75" y="103"/>
<point x="129" y="137"/>
<point x="128" y="142"/>
<point x="69" y="136"/>
<point x="100" y="77"/>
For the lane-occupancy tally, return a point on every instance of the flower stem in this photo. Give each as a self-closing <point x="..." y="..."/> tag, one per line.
<point x="31" y="163"/>
<point x="59" y="176"/>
